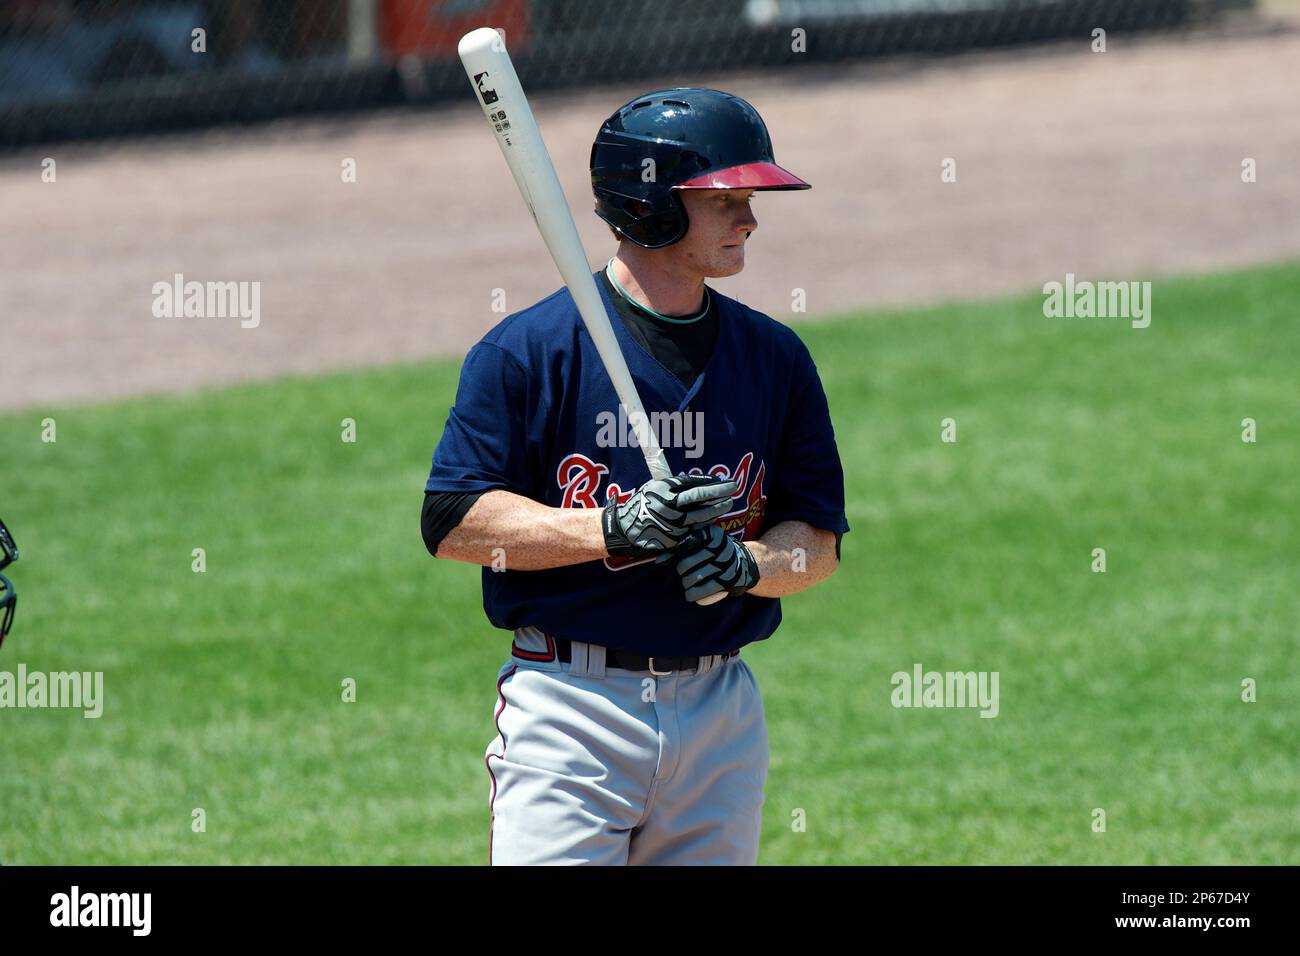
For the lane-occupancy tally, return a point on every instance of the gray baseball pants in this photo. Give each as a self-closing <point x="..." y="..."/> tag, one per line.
<point x="613" y="766"/>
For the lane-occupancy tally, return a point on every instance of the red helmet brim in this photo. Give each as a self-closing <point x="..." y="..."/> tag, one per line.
<point x="747" y="176"/>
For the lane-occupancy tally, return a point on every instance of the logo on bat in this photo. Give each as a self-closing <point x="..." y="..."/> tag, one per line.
<point x="486" y="91"/>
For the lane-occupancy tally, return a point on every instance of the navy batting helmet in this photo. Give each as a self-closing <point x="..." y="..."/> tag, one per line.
<point x="697" y="139"/>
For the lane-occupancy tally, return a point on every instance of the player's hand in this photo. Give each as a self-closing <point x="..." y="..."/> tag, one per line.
<point x="712" y="562"/>
<point x="662" y="512"/>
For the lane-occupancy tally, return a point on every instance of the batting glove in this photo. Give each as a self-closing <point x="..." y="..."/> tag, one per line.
<point x="712" y="562"/>
<point x="662" y="512"/>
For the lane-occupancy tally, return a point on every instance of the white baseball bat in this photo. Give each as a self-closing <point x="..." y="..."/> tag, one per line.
<point x="483" y="54"/>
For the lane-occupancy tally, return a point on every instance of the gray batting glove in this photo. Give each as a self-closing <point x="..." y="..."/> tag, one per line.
<point x="711" y="561"/>
<point x="662" y="512"/>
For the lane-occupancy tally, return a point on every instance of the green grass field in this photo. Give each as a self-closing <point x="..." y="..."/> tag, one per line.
<point x="1119" y="690"/>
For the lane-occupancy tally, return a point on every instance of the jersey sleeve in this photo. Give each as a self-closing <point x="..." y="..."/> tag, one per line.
<point x="808" y="481"/>
<point x="484" y="443"/>
<point x="442" y="512"/>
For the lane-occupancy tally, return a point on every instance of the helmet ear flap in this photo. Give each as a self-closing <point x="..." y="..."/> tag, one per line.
<point x="651" y="228"/>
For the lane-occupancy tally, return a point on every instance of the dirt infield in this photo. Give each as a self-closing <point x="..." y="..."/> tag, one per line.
<point x="1118" y="165"/>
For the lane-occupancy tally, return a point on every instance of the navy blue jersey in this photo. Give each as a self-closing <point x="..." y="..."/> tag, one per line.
<point x="532" y="416"/>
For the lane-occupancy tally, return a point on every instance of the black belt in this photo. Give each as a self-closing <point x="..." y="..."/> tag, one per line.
<point x="630" y="661"/>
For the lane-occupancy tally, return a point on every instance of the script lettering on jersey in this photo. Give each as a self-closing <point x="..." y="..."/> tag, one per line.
<point x="579" y="477"/>
<point x="579" y="480"/>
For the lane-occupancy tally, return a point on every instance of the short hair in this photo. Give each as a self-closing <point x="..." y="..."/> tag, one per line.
<point x="615" y="233"/>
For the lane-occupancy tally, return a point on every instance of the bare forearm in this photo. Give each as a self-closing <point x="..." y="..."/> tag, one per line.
<point x="792" y="557"/>
<point x="524" y="535"/>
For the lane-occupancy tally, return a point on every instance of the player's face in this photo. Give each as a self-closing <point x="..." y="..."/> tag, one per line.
<point x="720" y="222"/>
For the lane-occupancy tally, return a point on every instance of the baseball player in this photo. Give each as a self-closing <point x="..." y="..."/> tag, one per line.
<point x="629" y="730"/>
<point x="8" y="596"/>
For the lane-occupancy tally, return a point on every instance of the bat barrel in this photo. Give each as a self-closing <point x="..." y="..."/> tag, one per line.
<point x="492" y="74"/>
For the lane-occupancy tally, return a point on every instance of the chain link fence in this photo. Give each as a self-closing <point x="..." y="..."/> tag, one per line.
<point x="92" y="68"/>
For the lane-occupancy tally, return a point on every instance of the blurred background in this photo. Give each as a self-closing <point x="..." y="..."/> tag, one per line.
<point x="74" y="68"/>
<point x="332" y="151"/>
<point x="220" y="165"/>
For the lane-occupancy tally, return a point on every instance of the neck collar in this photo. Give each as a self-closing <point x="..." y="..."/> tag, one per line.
<point x="676" y="319"/>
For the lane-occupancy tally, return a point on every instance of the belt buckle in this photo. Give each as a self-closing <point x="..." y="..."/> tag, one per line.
<point x="651" y="662"/>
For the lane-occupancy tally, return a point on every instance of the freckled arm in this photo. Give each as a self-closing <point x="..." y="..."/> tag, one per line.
<point x="533" y="536"/>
